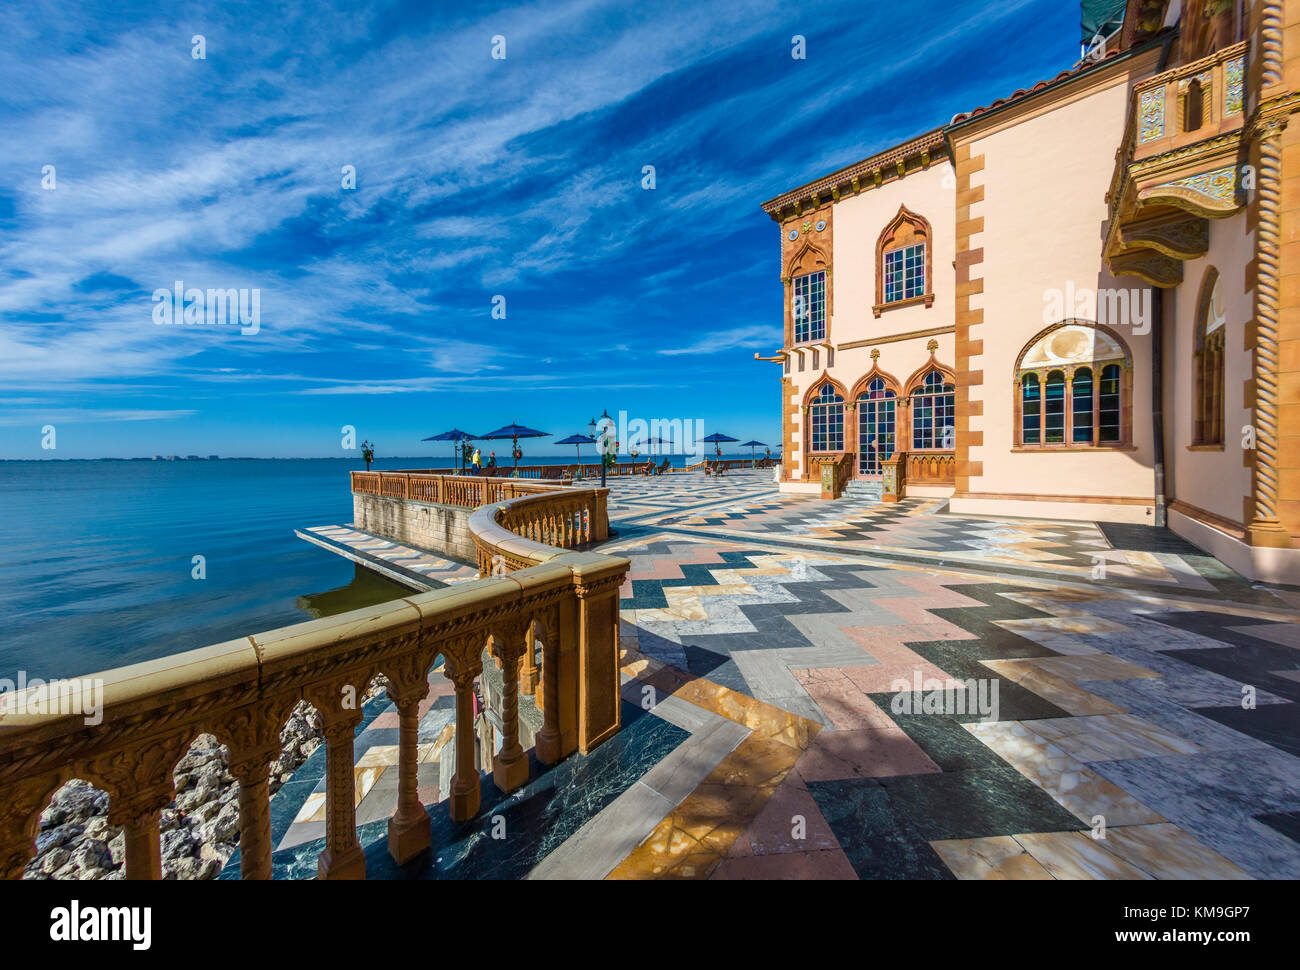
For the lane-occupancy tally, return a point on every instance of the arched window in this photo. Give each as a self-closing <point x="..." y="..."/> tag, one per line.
<point x="904" y="261"/>
<point x="1211" y="334"/>
<point x="934" y="413"/>
<point x="1074" y="382"/>
<point x="1031" y="409"/>
<point x="877" y="425"/>
<point x="826" y="415"/>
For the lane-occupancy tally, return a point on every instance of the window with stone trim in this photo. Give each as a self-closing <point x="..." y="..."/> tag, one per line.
<point x="809" y="307"/>
<point x="826" y="420"/>
<point x="1208" y="362"/>
<point x="1073" y="387"/>
<point x="934" y="414"/>
<point x="904" y="262"/>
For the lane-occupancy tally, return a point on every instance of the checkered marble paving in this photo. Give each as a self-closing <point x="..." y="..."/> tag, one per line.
<point x="749" y="507"/>
<point x="795" y="680"/>
<point x="1119" y="748"/>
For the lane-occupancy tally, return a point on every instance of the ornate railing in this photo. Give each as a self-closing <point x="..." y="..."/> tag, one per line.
<point x="244" y="690"/>
<point x="728" y="464"/>
<point x="834" y="472"/>
<point x="922" y="468"/>
<point x="531" y="530"/>
<point x="931" y="468"/>
<point x="463" y="490"/>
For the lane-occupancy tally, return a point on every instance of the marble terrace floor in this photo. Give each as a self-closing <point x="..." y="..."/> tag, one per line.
<point x="790" y="673"/>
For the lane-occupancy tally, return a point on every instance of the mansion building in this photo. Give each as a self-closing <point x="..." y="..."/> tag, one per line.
<point x="1079" y="302"/>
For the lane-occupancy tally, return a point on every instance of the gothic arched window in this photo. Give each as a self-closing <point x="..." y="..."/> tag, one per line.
<point x="826" y="416"/>
<point x="934" y="413"/>
<point x="904" y="262"/>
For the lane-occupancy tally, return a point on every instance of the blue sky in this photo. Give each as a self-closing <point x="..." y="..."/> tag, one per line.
<point x="475" y="177"/>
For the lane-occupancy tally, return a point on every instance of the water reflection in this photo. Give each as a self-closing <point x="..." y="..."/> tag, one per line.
<point x="366" y="589"/>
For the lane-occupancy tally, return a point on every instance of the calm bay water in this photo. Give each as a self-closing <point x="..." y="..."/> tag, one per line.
<point x="96" y="557"/>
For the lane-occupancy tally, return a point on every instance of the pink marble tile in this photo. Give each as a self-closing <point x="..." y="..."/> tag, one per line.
<point x="428" y="794"/>
<point x="882" y="678"/>
<point x="863" y="754"/>
<point x="847" y="706"/>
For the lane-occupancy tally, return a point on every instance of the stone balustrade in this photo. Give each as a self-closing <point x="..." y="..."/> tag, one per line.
<point x="243" y="691"/>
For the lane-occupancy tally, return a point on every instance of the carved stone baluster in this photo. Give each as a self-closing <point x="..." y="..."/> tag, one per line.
<point x="139" y="780"/>
<point x="343" y="857"/>
<point x="254" y="814"/>
<point x="254" y="738"/>
<point x="549" y="742"/>
<point x="408" y="829"/>
<point x="510" y="765"/>
<point x="137" y="814"/>
<point x="528" y="672"/>
<point x="464" y="800"/>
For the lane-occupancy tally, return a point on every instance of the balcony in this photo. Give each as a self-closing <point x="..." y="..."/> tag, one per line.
<point x="1179" y="166"/>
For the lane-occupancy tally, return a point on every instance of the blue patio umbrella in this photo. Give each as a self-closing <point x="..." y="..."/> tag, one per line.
<point x="456" y="435"/>
<point x="751" y="445"/>
<point x="514" y="432"/>
<point x="718" y="439"/>
<point x="578" y="440"/>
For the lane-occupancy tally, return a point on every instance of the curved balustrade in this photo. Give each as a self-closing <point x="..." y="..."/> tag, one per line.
<point x="243" y="691"/>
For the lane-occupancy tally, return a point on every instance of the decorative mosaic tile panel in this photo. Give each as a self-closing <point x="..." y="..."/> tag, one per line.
<point x="1234" y="94"/>
<point x="1152" y="115"/>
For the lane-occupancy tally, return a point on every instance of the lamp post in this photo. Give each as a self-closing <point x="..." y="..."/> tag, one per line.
<point x="605" y="440"/>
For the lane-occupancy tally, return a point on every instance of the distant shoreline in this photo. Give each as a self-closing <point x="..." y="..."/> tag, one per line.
<point x="416" y="461"/>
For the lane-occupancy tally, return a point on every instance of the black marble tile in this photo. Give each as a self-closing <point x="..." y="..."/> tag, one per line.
<point x="879" y="840"/>
<point x="976" y="804"/>
<point x="1288" y="823"/>
<point x="944" y="740"/>
<point x="1275" y="724"/>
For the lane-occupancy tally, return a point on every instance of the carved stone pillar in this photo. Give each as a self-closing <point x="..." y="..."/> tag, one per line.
<point x="254" y="737"/>
<point x="137" y="814"/>
<point x="408" y="829"/>
<point x="510" y="764"/>
<point x="529" y="674"/>
<point x="254" y="815"/>
<point x="464" y="800"/>
<point x="558" y="737"/>
<point x="343" y="857"/>
<point x="599" y="700"/>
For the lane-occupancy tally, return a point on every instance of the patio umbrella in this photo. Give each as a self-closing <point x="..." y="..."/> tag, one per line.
<point x="653" y="443"/>
<point x="456" y="435"/>
<point x="718" y="439"/>
<point x="514" y="432"/>
<point x="578" y="440"/>
<point x="751" y="445"/>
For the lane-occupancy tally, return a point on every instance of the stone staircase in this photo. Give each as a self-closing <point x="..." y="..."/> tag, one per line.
<point x="864" y="491"/>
